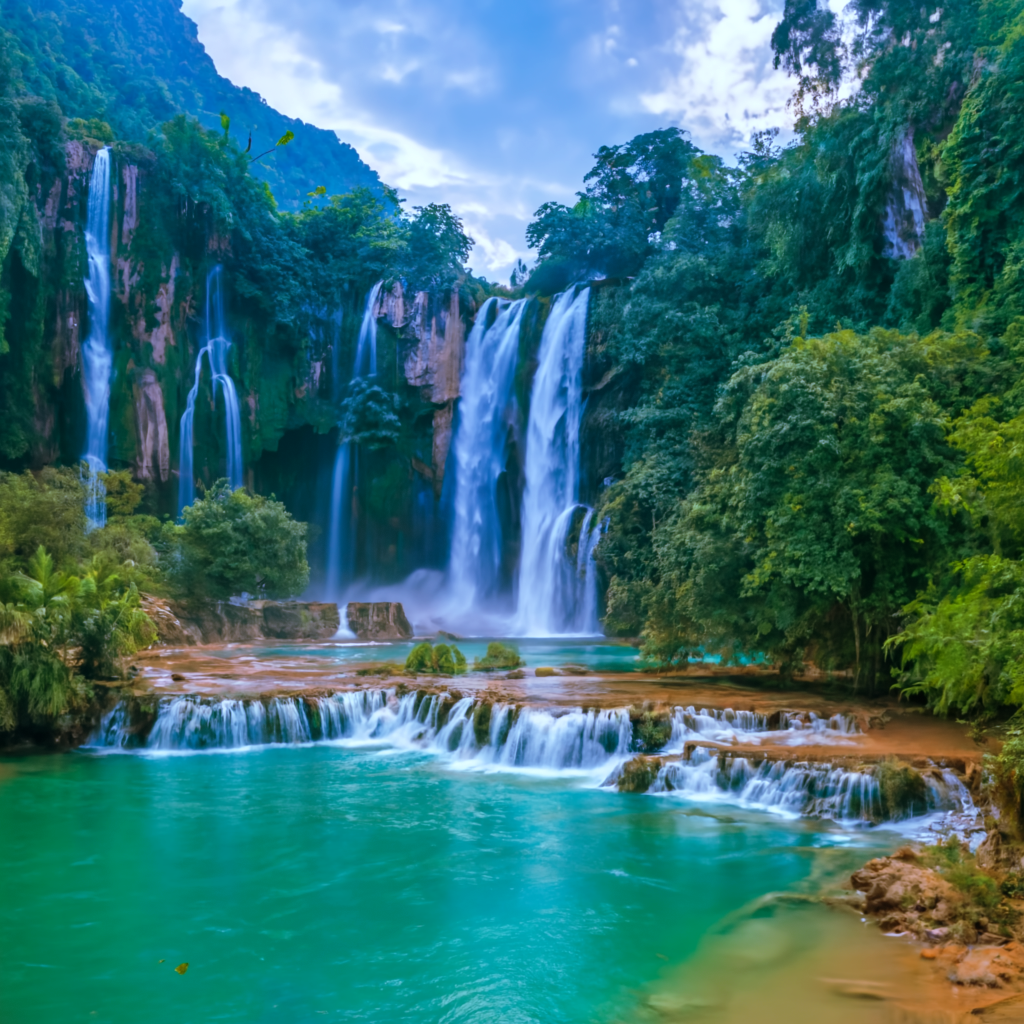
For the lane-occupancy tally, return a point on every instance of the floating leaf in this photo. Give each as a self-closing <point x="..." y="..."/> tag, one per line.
<point x="182" y="968"/>
<point x="286" y="138"/>
<point x="162" y="961"/>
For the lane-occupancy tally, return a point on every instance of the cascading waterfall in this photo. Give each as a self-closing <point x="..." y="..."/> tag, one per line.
<point x="97" y="355"/>
<point x="554" y="595"/>
<point x="479" y="447"/>
<point x="476" y="734"/>
<point x="341" y="531"/>
<point x="215" y="349"/>
<point x="807" y="789"/>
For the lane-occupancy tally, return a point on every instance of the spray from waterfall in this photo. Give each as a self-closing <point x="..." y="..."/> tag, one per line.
<point x="479" y="450"/>
<point x="341" y="529"/>
<point x="557" y="594"/>
<point x="215" y="349"/>
<point x="97" y="353"/>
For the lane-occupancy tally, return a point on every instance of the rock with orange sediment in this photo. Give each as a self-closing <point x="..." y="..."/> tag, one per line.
<point x="906" y="896"/>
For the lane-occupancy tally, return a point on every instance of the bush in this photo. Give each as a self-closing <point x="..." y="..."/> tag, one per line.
<point x="46" y="509"/>
<point x="232" y="542"/>
<point x="441" y="660"/>
<point x="499" y="656"/>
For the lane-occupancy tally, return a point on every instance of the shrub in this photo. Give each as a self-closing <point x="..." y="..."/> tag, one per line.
<point x="232" y="542"/>
<point x="499" y="656"/>
<point x="442" y="660"/>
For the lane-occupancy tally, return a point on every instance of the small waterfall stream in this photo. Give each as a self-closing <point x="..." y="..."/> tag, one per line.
<point x="341" y="526"/>
<point x="557" y="596"/>
<point x="215" y="349"/>
<point x="479" y="450"/>
<point x="97" y="354"/>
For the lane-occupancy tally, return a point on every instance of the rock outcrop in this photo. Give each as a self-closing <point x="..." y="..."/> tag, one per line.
<point x="185" y="625"/>
<point x="380" y="620"/>
<point x="909" y="897"/>
<point x="300" y="620"/>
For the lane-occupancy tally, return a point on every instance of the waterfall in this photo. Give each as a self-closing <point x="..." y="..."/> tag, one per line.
<point x="501" y="733"/>
<point x="482" y="735"/>
<point x="97" y="354"/>
<point x="479" y="447"/>
<point x="215" y="348"/>
<point x="553" y="592"/>
<point x="341" y="526"/>
<point x="809" y="789"/>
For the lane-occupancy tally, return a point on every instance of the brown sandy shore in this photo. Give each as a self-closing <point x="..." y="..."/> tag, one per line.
<point x="853" y="971"/>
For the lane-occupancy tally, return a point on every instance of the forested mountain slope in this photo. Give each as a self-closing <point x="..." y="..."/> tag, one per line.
<point x="136" y="63"/>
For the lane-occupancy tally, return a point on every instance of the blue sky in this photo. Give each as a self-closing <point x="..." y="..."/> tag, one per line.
<point x="498" y="107"/>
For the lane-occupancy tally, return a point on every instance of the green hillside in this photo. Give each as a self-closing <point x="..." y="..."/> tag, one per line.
<point x="137" y="63"/>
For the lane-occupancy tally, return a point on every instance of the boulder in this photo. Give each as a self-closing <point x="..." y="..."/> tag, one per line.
<point x="296" y="620"/>
<point x="378" y="620"/>
<point x="170" y="629"/>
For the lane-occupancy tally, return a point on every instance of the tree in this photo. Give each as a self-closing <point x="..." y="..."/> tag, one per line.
<point x="963" y="644"/>
<point x="812" y="523"/>
<point x="232" y="543"/>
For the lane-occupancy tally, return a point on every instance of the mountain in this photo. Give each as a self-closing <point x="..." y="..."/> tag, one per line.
<point x="137" y="63"/>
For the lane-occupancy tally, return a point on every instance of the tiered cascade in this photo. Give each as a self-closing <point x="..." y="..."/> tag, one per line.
<point x="476" y="734"/>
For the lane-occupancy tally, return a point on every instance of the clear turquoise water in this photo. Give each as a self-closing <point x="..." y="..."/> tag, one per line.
<point x="332" y="884"/>
<point x="598" y="656"/>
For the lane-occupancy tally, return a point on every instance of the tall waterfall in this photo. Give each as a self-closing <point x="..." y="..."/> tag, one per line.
<point x="341" y="532"/>
<point x="215" y="348"/>
<point x="557" y="595"/>
<point x="474" y="566"/>
<point x="97" y="354"/>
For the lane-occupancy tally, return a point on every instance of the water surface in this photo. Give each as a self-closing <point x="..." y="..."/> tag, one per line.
<point x="339" y="884"/>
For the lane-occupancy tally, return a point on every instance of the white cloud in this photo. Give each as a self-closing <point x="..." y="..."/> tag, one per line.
<point x="725" y="87"/>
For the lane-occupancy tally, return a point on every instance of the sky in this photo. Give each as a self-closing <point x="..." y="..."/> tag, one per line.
<point x="497" y="107"/>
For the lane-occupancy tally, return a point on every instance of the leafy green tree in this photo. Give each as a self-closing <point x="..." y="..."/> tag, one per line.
<point x="963" y="644"/>
<point x="813" y="523"/>
<point x="232" y="542"/>
<point x="58" y="629"/>
<point x="45" y="509"/>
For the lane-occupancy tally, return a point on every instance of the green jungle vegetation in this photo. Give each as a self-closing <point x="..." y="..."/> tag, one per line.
<point x="823" y="457"/>
<point x="135" y="64"/>
<point x="70" y="609"/>
<point x="819" y="416"/>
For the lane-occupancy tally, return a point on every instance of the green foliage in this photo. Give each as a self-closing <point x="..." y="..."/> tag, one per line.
<point x="58" y="629"/>
<point x="138" y="64"/>
<point x="651" y="729"/>
<point x="231" y="542"/>
<point x="903" y="791"/>
<point x="45" y="509"/>
<point x="369" y="415"/>
<point x="442" y="659"/>
<point x="438" y="248"/>
<point x="499" y="656"/>
<point x="963" y="644"/>
<point x="812" y="521"/>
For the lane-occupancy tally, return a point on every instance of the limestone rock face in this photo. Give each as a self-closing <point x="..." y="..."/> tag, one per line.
<point x="154" y="457"/>
<point x="180" y="624"/>
<point x="380" y="620"/>
<point x="295" y="620"/>
<point x="170" y="629"/>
